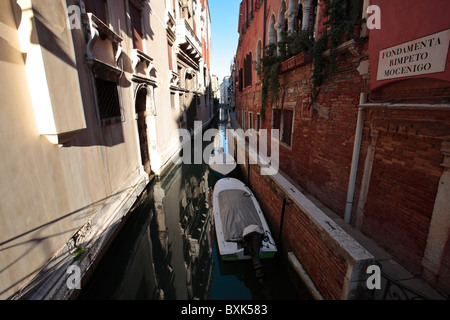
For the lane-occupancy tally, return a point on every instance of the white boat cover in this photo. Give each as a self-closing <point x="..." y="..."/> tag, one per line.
<point x="237" y="212"/>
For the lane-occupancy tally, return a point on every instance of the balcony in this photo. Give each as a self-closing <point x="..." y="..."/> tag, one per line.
<point x="296" y="61"/>
<point x="143" y="69"/>
<point x="110" y="52"/>
<point x="187" y="40"/>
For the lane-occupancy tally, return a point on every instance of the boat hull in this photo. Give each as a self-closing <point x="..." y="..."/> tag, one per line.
<point x="222" y="164"/>
<point x="241" y="256"/>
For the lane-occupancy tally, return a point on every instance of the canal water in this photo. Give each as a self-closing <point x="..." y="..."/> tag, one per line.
<point x="167" y="250"/>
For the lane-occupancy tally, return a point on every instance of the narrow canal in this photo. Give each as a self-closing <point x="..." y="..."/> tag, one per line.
<point x="167" y="250"/>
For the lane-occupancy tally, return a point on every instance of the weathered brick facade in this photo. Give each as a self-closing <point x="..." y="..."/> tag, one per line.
<point x="400" y="167"/>
<point x="404" y="181"/>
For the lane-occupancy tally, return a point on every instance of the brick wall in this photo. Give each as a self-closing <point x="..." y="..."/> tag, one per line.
<point x="319" y="159"/>
<point x="406" y="168"/>
<point x="404" y="181"/>
<point x="301" y="236"/>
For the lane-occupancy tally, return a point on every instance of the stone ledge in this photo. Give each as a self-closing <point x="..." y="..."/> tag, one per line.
<point x="356" y="257"/>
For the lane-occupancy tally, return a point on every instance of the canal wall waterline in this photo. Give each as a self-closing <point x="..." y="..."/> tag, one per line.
<point x="334" y="262"/>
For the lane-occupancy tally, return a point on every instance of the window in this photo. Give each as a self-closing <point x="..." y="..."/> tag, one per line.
<point x="246" y="13"/>
<point x="196" y="105"/>
<point x="169" y="52"/>
<point x="172" y="100"/>
<point x="286" y="133"/>
<point x="136" y="26"/>
<point x="299" y="20"/>
<point x="241" y="84"/>
<point x="258" y="122"/>
<point x="272" y="32"/>
<point x="181" y="101"/>
<point x="97" y="8"/>
<point x="313" y="17"/>
<point x="353" y="9"/>
<point x="107" y="99"/>
<point x="258" y="58"/>
<point x="276" y="119"/>
<point x="173" y="8"/>
<point x="248" y="70"/>
<point x="244" y="119"/>
<point x="250" y="120"/>
<point x="282" y="120"/>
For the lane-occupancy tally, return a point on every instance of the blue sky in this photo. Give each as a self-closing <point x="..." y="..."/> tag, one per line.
<point x="224" y="35"/>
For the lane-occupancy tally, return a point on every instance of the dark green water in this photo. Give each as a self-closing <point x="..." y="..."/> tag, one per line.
<point x="166" y="250"/>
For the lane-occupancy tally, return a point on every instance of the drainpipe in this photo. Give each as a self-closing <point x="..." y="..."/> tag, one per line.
<point x="355" y="158"/>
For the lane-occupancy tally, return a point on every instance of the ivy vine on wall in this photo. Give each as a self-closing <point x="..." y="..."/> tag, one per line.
<point x="338" y="25"/>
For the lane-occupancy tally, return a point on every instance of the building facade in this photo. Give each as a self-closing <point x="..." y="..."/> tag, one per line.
<point x="91" y="108"/>
<point x="225" y="96"/>
<point x="363" y="119"/>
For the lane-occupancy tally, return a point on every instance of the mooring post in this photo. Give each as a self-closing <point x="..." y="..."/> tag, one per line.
<point x="281" y="221"/>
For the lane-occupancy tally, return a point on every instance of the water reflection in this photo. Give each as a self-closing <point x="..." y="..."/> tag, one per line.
<point x="166" y="249"/>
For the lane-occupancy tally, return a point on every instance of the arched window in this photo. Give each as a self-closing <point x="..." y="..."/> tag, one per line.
<point x="282" y="21"/>
<point x="294" y="11"/>
<point x="313" y="16"/>
<point x="258" y="58"/>
<point x="272" y="32"/>
<point x="299" y="18"/>
<point x="246" y="13"/>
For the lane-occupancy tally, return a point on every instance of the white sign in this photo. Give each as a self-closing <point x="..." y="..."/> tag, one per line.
<point x="418" y="57"/>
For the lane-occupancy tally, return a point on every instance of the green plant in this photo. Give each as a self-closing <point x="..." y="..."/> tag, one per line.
<point x="271" y="65"/>
<point x="338" y="27"/>
<point x="79" y="253"/>
<point x="288" y="46"/>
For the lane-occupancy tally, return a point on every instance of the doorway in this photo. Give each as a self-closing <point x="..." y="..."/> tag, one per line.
<point x="141" y="112"/>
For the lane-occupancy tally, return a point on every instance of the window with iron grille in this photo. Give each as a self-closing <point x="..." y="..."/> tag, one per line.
<point x="107" y="99"/>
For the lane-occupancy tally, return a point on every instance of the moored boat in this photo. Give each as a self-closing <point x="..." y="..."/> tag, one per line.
<point x="221" y="162"/>
<point x="241" y="229"/>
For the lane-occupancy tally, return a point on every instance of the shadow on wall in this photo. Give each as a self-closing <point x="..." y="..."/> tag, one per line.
<point x="35" y="238"/>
